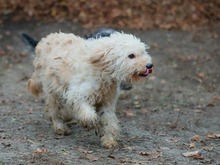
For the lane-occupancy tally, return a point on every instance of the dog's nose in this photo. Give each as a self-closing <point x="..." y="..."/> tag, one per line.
<point x="149" y="66"/>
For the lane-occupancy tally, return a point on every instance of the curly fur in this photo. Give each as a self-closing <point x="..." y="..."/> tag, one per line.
<point x="81" y="79"/>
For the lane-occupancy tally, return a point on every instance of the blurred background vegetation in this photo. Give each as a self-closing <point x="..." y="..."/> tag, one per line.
<point x="135" y="14"/>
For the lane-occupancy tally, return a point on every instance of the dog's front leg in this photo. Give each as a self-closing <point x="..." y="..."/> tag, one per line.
<point x="86" y="115"/>
<point x="109" y="130"/>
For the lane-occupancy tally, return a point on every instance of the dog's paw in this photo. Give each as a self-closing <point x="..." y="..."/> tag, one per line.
<point x="90" y="121"/>
<point x="90" y="124"/>
<point x="109" y="142"/>
<point x="61" y="128"/>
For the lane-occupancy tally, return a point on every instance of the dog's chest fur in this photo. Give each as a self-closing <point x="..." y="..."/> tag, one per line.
<point x="106" y="92"/>
<point x="94" y="90"/>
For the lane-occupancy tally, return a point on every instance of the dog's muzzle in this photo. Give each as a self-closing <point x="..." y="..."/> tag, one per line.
<point x="148" y="70"/>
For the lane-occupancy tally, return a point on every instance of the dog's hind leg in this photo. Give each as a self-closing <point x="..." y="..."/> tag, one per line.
<point x="53" y="110"/>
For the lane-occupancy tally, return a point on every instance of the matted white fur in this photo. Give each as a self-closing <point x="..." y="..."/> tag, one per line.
<point x="81" y="79"/>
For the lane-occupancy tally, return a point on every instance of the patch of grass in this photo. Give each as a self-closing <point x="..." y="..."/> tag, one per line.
<point x="164" y="101"/>
<point x="1" y="162"/>
<point x="13" y="119"/>
<point x="106" y="162"/>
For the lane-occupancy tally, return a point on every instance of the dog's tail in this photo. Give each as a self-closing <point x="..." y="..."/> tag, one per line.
<point x="34" y="87"/>
<point x="28" y="40"/>
<point x="34" y="84"/>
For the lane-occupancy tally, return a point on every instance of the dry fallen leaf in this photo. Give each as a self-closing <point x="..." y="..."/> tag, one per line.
<point x="192" y="145"/>
<point x="195" y="138"/>
<point x="174" y="140"/>
<point x="128" y="113"/>
<point x="201" y="75"/>
<point x="193" y="154"/>
<point x="111" y="156"/>
<point x="118" y="13"/>
<point x="91" y="157"/>
<point x="213" y="136"/>
<point x="215" y="99"/>
<point x="124" y="160"/>
<point x="127" y="148"/>
<point x="207" y="148"/>
<point x="198" y="110"/>
<point x="40" y="151"/>
<point x="80" y="149"/>
<point x="9" y="47"/>
<point x="2" y="52"/>
<point x="210" y="105"/>
<point x="176" y="110"/>
<point x="151" y="154"/>
<point x="33" y="142"/>
<point x="154" y="45"/>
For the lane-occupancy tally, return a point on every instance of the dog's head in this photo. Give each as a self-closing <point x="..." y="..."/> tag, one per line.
<point x="121" y="55"/>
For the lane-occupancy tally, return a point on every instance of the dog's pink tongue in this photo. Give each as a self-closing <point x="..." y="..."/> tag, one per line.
<point x="148" y="71"/>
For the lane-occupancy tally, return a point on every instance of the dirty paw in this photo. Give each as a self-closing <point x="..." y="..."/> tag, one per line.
<point x="89" y="125"/>
<point x="61" y="129"/>
<point x="109" y="142"/>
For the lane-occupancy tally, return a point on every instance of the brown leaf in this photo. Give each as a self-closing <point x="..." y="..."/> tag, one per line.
<point x="207" y="148"/>
<point x="125" y="160"/>
<point x="210" y="105"/>
<point x="92" y="157"/>
<point x="2" y="52"/>
<point x="41" y="151"/>
<point x="214" y="99"/>
<point x="195" y="138"/>
<point x="174" y="140"/>
<point x="80" y="149"/>
<point x="83" y="16"/>
<point x="138" y="15"/>
<point x="193" y="154"/>
<point x="9" y="47"/>
<point x="128" y="113"/>
<point x="192" y="145"/>
<point x="111" y="156"/>
<point x="198" y="110"/>
<point x="151" y="154"/>
<point x="213" y="136"/>
<point x="201" y="75"/>
<point x="153" y="45"/>
<point x="116" y="12"/>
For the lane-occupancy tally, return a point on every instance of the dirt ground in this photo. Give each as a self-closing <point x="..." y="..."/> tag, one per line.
<point x="174" y="112"/>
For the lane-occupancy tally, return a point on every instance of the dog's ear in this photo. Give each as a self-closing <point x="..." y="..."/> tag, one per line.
<point x="101" y="57"/>
<point x="97" y="58"/>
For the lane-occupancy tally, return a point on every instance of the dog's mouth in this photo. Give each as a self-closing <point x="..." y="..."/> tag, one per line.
<point x="146" y="72"/>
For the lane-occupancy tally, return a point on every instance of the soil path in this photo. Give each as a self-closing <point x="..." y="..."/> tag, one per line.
<point x="175" y="111"/>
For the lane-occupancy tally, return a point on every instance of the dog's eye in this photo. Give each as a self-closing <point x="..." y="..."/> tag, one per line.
<point x="131" y="56"/>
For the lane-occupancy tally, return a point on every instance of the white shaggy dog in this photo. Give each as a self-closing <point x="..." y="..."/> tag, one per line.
<point x="81" y="79"/>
